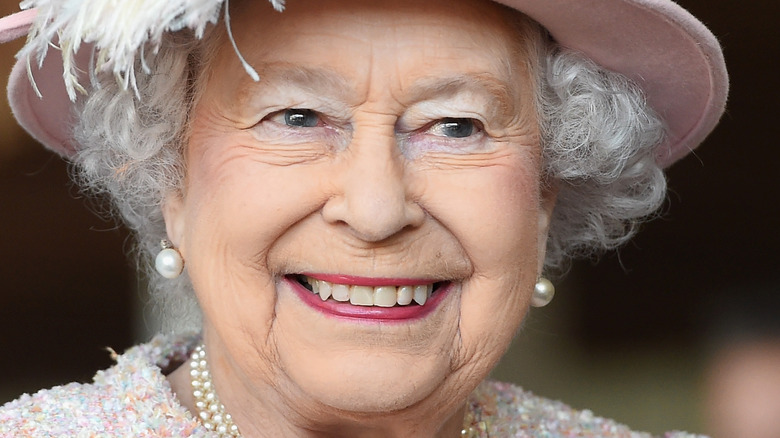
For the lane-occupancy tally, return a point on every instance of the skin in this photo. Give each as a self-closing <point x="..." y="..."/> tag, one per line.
<point x="378" y="187"/>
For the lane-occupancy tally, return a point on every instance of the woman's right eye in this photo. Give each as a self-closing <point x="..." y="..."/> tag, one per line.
<point x="297" y="118"/>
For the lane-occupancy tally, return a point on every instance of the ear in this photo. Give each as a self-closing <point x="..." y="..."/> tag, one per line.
<point x="174" y="215"/>
<point x="547" y="199"/>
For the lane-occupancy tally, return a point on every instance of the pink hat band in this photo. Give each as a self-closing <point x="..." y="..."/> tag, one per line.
<point x="671" y="55"/>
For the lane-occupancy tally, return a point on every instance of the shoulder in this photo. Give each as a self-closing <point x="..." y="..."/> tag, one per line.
<point x="505" y="410"/>
<point x="132" y="398"/>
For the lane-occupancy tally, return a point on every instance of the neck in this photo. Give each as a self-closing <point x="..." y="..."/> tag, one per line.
<point x="271" y="410"/>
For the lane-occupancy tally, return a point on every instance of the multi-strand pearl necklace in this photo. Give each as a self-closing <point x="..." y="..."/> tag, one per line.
<point x="212" y="412"/>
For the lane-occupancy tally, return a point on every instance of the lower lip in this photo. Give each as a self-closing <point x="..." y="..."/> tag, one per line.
<point x="369" y="313"/>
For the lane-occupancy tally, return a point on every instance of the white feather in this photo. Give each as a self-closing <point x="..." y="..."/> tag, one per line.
<point x="119" y="30"/>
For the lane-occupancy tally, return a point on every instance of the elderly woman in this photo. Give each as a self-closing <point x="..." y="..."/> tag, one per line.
<point x="356" y="200"/>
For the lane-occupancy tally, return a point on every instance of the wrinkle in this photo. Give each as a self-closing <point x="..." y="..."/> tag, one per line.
<point x="289" y="156"/>
<point x="442" y="161"/>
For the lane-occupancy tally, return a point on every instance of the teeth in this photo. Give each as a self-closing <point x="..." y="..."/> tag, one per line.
<point x="361" y="295"/>
<point x="324" y="289"/>
<point x="420" y="294"/>
<point x="382" y="296"/>
<point x="405" y="295"/>
<point x="340" y="292"/>
<point x="385" y="296"/>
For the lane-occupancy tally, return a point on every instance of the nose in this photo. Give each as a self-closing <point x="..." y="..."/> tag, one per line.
<point x="373" y="198"/>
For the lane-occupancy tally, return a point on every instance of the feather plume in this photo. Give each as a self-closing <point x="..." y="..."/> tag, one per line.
<point x="120" y="30"/>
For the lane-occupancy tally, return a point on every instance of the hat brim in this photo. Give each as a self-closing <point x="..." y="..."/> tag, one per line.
<point x="48" y="118"/>
<point x="671" y="55"/>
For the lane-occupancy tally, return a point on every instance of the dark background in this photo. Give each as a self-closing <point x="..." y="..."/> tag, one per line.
<point x="707" y="268"/>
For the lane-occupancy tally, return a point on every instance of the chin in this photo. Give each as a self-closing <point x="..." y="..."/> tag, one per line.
<point x="376" y="383"/>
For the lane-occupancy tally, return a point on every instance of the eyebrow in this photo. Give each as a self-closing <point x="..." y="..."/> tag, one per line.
<point x="447" y="86"/>
<point x="487" y="84"/>
<point x="309" y="79"/>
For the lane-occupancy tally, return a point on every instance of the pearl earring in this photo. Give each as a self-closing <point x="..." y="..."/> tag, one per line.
<point x="543" y="292"/>
<point x="169" y="262"/>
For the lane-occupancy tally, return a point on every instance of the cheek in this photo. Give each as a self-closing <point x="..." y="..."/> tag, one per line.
<point x="233" y="193"/>
<point x="492" y="212"/>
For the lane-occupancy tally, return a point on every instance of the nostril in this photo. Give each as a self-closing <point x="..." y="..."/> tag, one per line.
<point x="373" y="220"/>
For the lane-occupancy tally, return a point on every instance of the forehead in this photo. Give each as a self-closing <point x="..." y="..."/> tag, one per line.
<point x="352" y="37"/>
<point x="370" y="16"/>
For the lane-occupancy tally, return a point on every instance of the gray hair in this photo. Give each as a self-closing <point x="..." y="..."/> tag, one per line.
<point x="598" y="138"/>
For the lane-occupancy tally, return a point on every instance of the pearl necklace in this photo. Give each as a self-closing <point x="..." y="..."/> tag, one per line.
<point x="212" y="412"/>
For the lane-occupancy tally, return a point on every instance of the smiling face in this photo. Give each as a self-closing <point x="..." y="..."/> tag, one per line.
<point x="388" y="155"/>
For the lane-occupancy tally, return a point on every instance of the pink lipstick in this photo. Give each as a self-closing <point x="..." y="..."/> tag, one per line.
<point x="341" y="309"/>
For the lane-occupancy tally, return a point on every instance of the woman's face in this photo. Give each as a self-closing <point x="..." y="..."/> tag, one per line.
<point x="386" y="151"/>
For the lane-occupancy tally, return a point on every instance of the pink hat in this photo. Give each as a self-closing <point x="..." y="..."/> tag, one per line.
<point x="673" y="57"/>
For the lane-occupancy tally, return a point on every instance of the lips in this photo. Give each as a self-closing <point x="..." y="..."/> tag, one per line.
<point x="369" y="297"/>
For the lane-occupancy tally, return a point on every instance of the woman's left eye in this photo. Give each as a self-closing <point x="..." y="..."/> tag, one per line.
<point x="296" y="118"/>
<point x="455" y="127"/>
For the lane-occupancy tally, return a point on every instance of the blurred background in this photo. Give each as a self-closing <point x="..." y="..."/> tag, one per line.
<point x="678" y="330"/>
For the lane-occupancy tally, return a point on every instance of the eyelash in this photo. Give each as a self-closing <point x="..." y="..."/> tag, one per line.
<point x="289" y="113"/>
<point x="438" y="127"/>
<point x="275" y="128"/>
